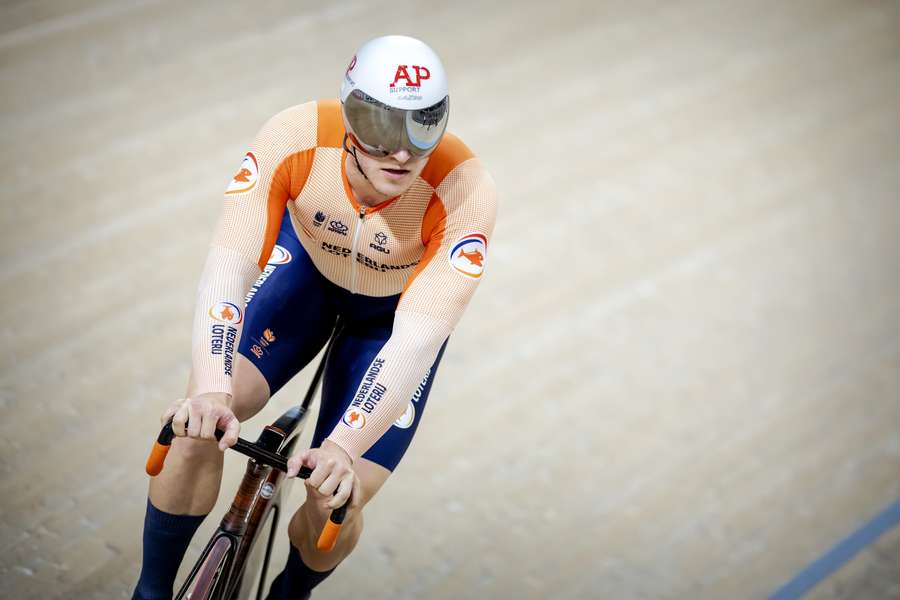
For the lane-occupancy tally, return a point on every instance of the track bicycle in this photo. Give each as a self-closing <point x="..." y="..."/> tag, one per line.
<point x="234" y="563"/>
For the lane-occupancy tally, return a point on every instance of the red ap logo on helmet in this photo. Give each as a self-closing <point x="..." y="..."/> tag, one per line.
<point x="351" y="65"/>
<point x="422" y="73"/>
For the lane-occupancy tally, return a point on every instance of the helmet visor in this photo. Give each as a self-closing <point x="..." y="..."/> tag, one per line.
<point x="381" y="130"/>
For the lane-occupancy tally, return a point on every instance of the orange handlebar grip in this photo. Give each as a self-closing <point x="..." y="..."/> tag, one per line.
<point x="156" y="459"/>
<point x="329" y="536"/>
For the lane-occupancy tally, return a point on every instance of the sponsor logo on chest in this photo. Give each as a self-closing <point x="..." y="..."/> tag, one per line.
<point x="364" y="260"/>
<point x="338" y="227"/>
<point x="381" y="240"/>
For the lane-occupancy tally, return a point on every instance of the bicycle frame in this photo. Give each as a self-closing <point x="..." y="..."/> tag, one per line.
<point x="258" y="497"/>
<point x="219" y="573"/>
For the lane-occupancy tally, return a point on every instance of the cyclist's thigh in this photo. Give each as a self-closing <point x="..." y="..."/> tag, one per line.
<point x="289" y="315"/>
<point x="353" y="353"/>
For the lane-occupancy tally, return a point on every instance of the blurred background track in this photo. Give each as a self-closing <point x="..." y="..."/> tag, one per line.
<point x="678" y="380"/>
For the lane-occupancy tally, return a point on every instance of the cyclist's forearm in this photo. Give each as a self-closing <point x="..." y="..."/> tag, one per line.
<point x="390" y="382"/>
<point x="218" y="318"/>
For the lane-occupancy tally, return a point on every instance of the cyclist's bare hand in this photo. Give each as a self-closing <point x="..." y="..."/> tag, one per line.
<point x="203" y="414"/>
<point x="332" y="470"/>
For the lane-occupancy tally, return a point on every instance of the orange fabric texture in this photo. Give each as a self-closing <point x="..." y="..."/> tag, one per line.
<point x="330" y="130"/>
<point x="430" y="244"/>
<point x="432" y="234"/>
<point x="290" y="175"/>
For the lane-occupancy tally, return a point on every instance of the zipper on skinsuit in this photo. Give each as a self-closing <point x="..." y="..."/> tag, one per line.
<point x="359" y="224"/>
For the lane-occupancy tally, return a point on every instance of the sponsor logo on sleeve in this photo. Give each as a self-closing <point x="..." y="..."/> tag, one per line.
<point x="223" y="334"/>
<point x="319" y="218"/>
<point x="467" y="255"/>
<point x="226" y="312"/>
<point x="406" y="419"/>
<point x="246" y="177"/>
<point x="354" y="418"/>
<point x="370" y="391"/>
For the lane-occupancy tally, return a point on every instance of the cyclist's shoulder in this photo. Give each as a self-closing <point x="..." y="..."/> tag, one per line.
<point x="456" y="174"/>
<point x="312" y="124"/>
<point x="447" y="157"/>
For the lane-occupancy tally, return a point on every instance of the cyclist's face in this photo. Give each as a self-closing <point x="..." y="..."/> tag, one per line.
<point x="393" y="174"/>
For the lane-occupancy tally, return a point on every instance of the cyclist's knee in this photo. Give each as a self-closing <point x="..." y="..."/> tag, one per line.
<point x="308" y="522"/>
<point x="313" y="513"/>
<point x="251" y="390"/>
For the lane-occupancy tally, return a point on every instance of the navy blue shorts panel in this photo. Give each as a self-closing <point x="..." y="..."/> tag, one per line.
<point x="290" y="313"/>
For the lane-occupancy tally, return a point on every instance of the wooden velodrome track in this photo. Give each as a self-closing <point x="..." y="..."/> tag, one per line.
<point x="679" y="378"/>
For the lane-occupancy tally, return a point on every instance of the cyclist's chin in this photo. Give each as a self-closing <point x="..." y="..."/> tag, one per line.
<point x="391" y="185"/>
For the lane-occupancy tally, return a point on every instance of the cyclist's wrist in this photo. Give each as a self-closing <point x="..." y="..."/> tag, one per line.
<point x="329" y="444"/>
<point x="223" y="398"/>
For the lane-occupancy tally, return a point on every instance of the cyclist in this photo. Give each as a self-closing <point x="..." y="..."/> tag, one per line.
<point x="363" y="208"/>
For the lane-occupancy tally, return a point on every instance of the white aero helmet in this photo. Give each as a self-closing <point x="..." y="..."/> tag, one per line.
<point x="394" y="97"/>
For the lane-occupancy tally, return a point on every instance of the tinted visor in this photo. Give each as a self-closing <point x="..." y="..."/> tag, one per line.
<point x="381" y="130"/>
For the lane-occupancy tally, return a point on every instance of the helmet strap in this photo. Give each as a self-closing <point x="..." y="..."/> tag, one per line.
<point x="353" y="153"/>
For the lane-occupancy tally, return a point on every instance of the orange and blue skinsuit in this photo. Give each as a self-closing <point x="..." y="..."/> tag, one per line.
<point x="294" y="250"/>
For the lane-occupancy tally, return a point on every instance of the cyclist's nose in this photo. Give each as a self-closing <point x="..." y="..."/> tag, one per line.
<point x="401" y="156"/>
